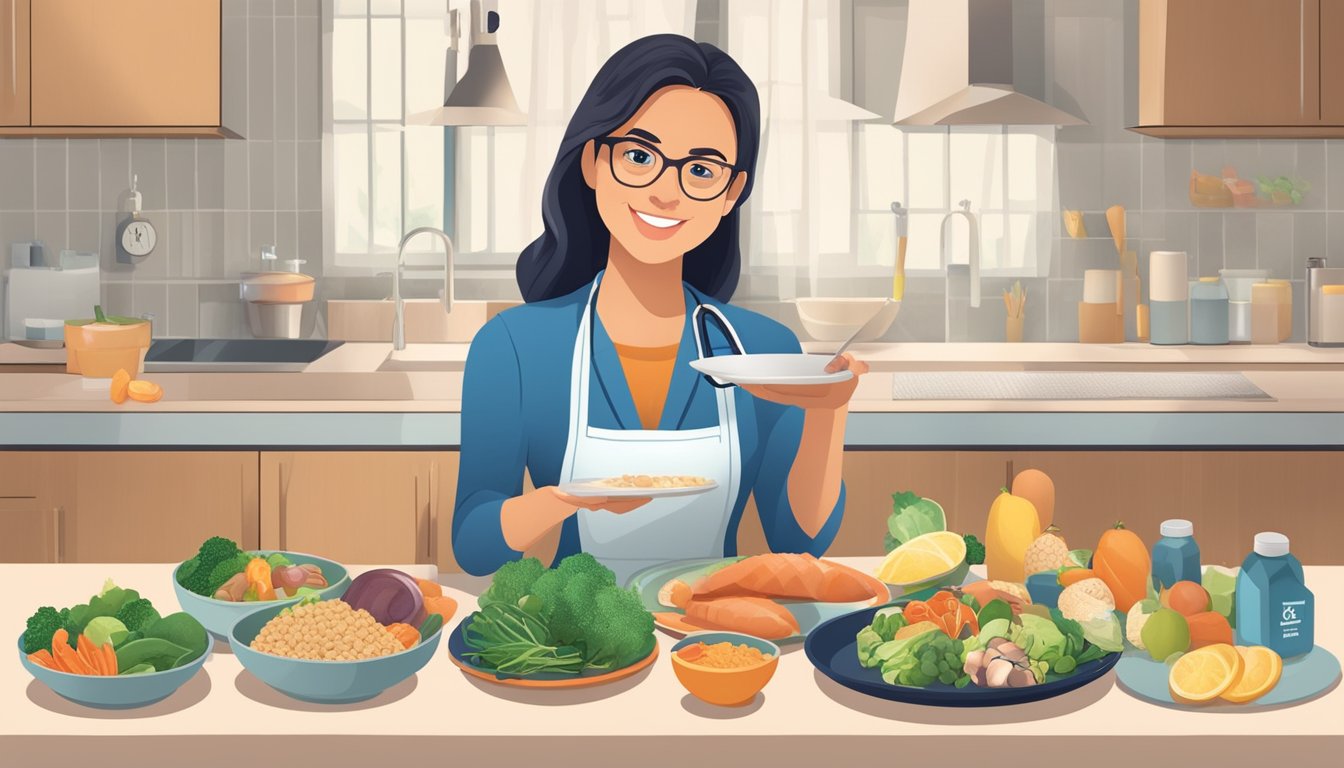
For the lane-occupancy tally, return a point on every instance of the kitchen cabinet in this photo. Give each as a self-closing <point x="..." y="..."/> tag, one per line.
<point x="28" y="532"/>
<point x="149" y="506"/>
<point x="359" y="506"/>
<point x="1229" y="495"/>
<point x="1239" y="68"/>
<point x="129" y="68"/>
<point x="14" y="62"/>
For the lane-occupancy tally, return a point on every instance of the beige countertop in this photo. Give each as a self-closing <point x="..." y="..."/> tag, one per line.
<point x="801" y="718"/>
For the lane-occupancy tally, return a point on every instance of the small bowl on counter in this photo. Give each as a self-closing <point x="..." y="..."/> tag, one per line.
<point x="724" y="686"/>
<point x="325" y="681"/>
<point x="219" y="616"/>
<point x="114" y="691"/>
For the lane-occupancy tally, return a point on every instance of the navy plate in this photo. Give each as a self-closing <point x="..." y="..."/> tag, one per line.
<point x="831" y="649"/>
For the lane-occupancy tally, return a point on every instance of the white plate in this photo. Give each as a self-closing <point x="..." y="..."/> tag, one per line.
<point x="770" y="369"/>
<point x="586" y="488"/>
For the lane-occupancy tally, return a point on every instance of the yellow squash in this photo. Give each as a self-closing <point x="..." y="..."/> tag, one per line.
<point x="1013" y="525"/>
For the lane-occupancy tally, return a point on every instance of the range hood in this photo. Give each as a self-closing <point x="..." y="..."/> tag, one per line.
<point x="958" y="68"/>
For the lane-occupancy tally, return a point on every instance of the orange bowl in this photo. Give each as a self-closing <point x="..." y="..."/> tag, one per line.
<point x="725" y="687"/>
<point x="106" y="337"/>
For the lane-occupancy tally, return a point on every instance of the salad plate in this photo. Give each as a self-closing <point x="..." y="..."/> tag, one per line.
<point x="833" y="650"/>
<point x="770" y="369"/>
<point x="672" y="621"/>
<point x="458" y="648"/>
<point x="1304" y="678"/>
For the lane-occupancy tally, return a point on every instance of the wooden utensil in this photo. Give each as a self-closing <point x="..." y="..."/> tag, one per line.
<point x="1115" y="219"/>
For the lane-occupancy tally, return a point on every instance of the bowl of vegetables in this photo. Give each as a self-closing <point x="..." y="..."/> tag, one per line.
<point x="113" y="652"/>
<point x="222" y="583"/>
<point x="345" y="649"/>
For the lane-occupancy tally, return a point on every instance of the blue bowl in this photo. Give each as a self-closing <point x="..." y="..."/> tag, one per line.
<point x="119" y="692"/>
<point x="219" y="616"/>
<point x="325" y="682"/>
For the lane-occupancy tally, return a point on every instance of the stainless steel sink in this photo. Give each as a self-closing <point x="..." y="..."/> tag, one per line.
<point x="235" y="355"/>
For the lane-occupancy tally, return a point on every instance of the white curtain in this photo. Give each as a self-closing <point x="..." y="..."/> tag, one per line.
<point x="552" y="49"/>
<point x="800" y="210"/>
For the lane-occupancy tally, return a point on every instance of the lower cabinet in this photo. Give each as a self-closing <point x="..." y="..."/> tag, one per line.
<point x="359" y="507"/>
<point x="28" y="531"/>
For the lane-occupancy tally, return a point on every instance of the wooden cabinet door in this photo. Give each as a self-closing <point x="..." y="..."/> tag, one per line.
<point x="126" y="63"/>
<point x="28" y="532"/>
<point x="151" y="506"/>
<point x="1230" y="62"/>
<point x="14" y="75"/>
<point x="1332" y="62"/>
<point x="353" y="507"/>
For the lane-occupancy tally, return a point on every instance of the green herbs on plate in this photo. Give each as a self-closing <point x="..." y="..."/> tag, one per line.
<point x="563" y="620"/>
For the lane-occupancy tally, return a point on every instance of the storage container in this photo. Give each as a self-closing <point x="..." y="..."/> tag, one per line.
<point x="1208" y="311"/>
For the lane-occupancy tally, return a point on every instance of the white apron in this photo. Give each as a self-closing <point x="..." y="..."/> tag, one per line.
<point x="664" y="529"/>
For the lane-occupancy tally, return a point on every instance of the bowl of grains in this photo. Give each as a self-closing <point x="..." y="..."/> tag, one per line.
<point x="727" y="669"/>
<point x="327" y="652"/>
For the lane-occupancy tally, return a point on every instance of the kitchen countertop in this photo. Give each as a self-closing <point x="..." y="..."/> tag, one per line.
<point x="801" y="718"/>
<point x="342" y="400"/>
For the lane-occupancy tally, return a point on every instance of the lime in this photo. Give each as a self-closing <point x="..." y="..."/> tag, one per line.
<point x="1166" y="632"/>
<point x="101" y="629"/>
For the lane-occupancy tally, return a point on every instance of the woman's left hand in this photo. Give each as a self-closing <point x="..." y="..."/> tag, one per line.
<point x="829" y="397"/>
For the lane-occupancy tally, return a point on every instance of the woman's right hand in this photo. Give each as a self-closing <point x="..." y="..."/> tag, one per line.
<point x="526" y="519"/>
<point x="619" y="505"/>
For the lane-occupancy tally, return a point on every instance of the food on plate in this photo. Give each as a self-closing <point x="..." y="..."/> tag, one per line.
<point x="1002" y="664"/>
<point x="1047" y="553"/>
<point x="1037" y="487"/>
<point x="1208" y="628"/>
<point x="743" y="596"/>
<point x="1122" y="561"/>
<point x="653" y="481"/>
<point x="389" y="595"/>
<point x="1136" y="619"/>
<point x="724" y="655"/>
<point x="116" y="633"/>
<point x="1205" y="674"/>
<point x="1260" y="672"/>
<point x="562" y="620"/>
<point x="1070" y="576"/>
<point x="935" y="556"/>
<point x="1013" y="525"/>
<point x="326" y="630"/>
<point x="1221" y="584"/>
<point x="121" y="381"/>
<point x="1186" y="598"/>
<point x="144" y="391"/>
<point x="222" y="571"/>
<point x="946" y="611"/>
<point x="1166" y="632"/>
<point x="1086" y="599"/>
<point x="975" y="551"/>
<point x="912" y="516"/>
<point x="1015" y="595"/>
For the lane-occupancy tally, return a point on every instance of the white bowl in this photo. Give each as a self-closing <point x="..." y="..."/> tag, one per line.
<point x="835" y="319"/>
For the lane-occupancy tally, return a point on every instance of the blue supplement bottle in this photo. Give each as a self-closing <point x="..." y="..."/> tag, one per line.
<point x="1274" y="606"/>
<point x="1176" y="555"/>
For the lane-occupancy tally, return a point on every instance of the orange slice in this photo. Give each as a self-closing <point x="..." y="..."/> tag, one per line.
<point x="120" y="381"/>
<point x="144" y="391"/>
<point x="1262" y="670"/>
<point x="1205" y="674"/>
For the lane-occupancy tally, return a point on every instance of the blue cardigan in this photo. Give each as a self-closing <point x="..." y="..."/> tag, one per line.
<point x="515" y="414"/>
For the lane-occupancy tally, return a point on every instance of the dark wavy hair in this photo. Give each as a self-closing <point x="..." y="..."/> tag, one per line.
<point x="573" y="248"/>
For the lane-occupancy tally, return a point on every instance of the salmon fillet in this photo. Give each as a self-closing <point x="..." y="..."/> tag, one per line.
<point x="751" y="615"/>
<point x="786" y="576"/>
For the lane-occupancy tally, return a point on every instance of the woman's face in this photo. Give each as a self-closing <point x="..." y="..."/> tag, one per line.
<point x="661" y="218"/>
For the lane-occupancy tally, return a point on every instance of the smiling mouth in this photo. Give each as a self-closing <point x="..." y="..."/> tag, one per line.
<point x="657" y="222"/>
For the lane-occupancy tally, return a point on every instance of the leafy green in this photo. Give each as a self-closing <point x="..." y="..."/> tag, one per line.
<point x="106" y="604"/>
<point x="277" y="560"/>
<point x="975" y="550"/>
<point x="1080" y="557"/>
<point x="182" y="630"/>
<point x="912" y="516"/>
<point x="994" y="609"/>
<point x="433" y="623"/>
<point x="139" y="669"/>
<point x="138" y="613"/>
<point x="921" y="660"/>
<point x="508" y="639"/>
<point x="886" y="622"/>
<point x="155" y="651"/>
<point x="512" y="581"/>
<point x="1104" y="632"/>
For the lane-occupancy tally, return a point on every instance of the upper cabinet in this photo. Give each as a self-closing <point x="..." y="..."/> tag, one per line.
<point x="125" y="68"/>
<point x="1240" y="68"/>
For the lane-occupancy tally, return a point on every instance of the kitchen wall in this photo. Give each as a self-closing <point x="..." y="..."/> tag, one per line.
<point x="1087" y="57"/>
<point x="214" y="202"/>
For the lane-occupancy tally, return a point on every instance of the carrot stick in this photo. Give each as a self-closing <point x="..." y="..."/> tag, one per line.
<point x="43" y="658"/>
<point x="90" y="655"/>
<point x="69" y="659"/>
<point x="110" y="657"/>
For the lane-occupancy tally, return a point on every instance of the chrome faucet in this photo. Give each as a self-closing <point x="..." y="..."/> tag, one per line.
<point x="399" y="309"/>
<point x="944" y="261"/>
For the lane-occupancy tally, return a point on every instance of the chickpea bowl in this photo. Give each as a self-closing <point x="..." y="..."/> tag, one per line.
<point x="326" y="652"/>
<point x="726" y="669"/>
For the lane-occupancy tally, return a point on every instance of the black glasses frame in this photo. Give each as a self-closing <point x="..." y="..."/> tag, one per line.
<point x="610" y="143"/>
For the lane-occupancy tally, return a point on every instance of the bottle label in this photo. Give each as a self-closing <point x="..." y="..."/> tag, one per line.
<point x="1290" y="624"/>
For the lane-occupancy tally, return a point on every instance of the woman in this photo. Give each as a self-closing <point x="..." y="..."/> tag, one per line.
<point x="591" y="377"/>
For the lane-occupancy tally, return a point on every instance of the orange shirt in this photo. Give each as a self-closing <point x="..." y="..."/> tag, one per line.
<point x="648" y="374"/>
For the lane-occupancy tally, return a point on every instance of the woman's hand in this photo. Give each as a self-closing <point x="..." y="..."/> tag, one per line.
<point x="829" y="397"/>
<point x="617" y="504"/>
<point x="528" y="518"/>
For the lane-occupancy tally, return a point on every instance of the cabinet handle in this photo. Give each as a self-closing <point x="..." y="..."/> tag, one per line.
<point x="432" y="548"/>
<point x="1302" y="58"/>
<point x="284" y="512"/>
<point x="58" y="533"/>
<point x="421" y="538"/>
<point x="14" y="47"/>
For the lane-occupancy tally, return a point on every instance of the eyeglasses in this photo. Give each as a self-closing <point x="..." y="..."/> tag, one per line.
<point x="638" y="164"/>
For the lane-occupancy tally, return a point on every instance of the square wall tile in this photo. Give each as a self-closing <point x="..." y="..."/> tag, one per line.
<point x="308" y="78"/>
<point x="262" y="232"/>
<point x="148" y="166"/>
<point x="236" y="167"/>
<point x="261" y="174"/>
<point x="51" y="229"/>
<point x="210" y="175"/>
<point x="1310" y="238"/>
<point x="310" y="241"/>
<point x="211" y="246"/>
<point x="117" y="298"/>
<point x="82" y="174"/>
<point x="86" y="231"/>
<point x="1239" y="240"/>
<point x="237" y="252"/>
<point x="16" y="169"/>
<point x="286" y="62"/>
<point x="180" y="189"/>
<point x="19" y="226"/>
<point x="285" y="168"/>
<point x="261" y="77"/>
<point x="50" y="175"/>
<point x="1062" y="320"/>
<point x="114" y="162"/>
<point x="1081" y="168"/>
<point x="182" y="244"/>
<point x="1211" y="255"/>
<point x="183" y="310"/>
<point x="1120" y="176"/>
<point x="151" y="300"/>
<point x="1178" y="158"/>
<point x="309" y="179"/>
<point x="1274" y="244"/>
<point x="287" y="236"/>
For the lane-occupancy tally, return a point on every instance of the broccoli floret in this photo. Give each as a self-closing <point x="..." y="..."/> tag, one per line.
<point x="226" y="570"/>
<point x="568" y="603"/>
<point x="975" y="551"/>
<point x="138" y="614"/>
<point x="41" y="626"/>
<point x="619" y="631"/>
<point x="585" y="563"/>
<point x="214" y="551"/>
<point x="512" y="581"/>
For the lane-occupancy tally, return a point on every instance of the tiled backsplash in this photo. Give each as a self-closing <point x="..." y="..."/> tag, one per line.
<point x="214" y="202"/>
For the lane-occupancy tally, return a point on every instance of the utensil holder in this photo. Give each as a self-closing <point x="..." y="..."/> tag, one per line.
<point x="1100" y="324"/>
<point x="1012" y="327"/>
